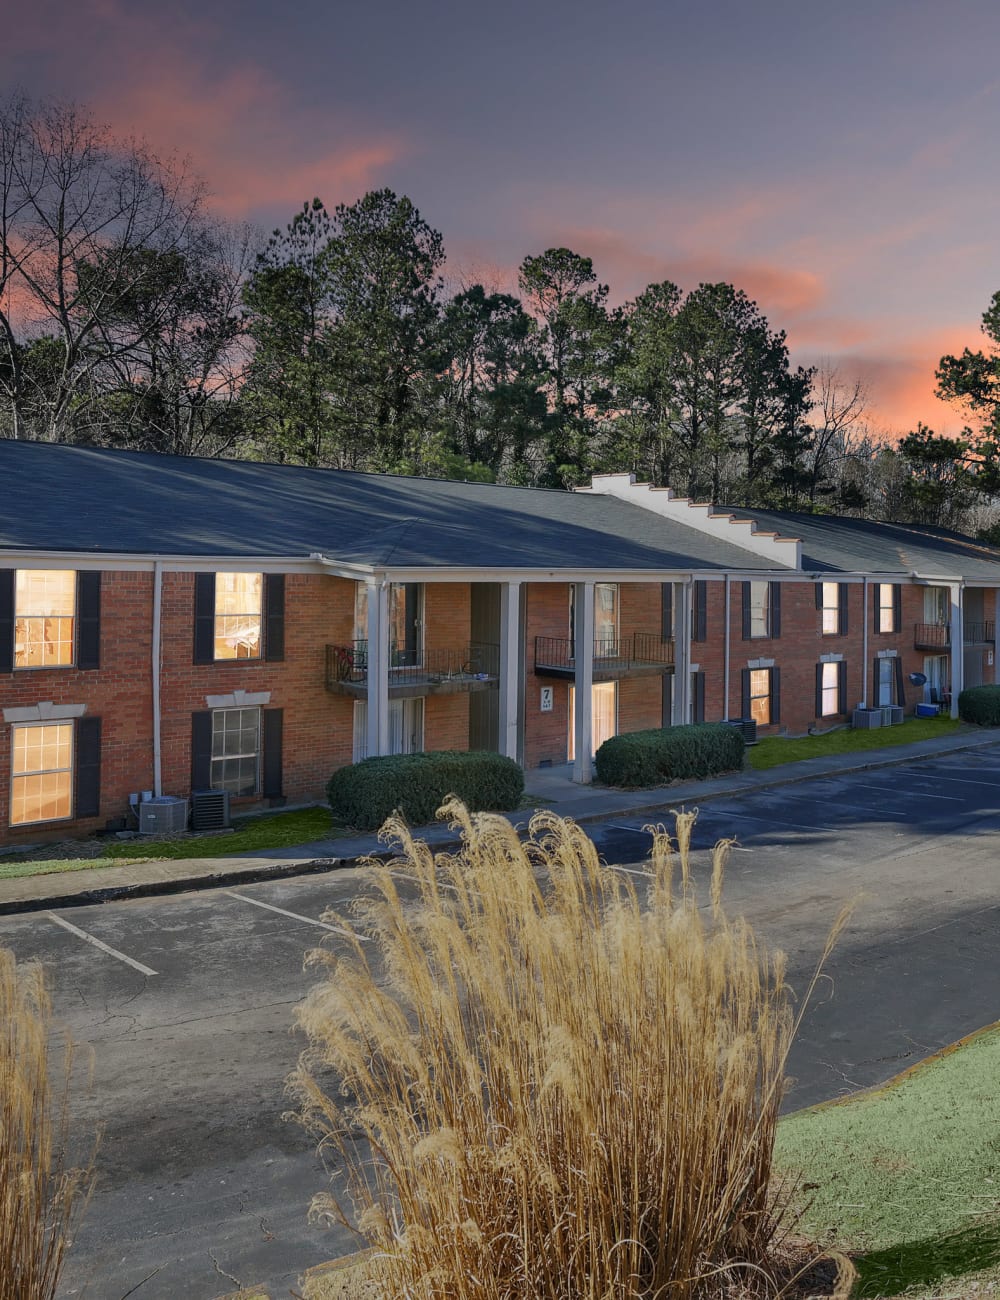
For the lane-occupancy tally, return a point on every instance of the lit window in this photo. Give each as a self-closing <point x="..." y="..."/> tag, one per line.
<point x="760" y="695"/>
<point x="606" y="605"/>
<point x="831" y="608"/>
<point x="42" y="773"/>
<point x="760" y="601"/>
<point x="830" y="690"/>
<point x="44" y="617"/>
<point x="236" y="750"/>
<point x="887" y="607"/>
<point x="238" y="598"/>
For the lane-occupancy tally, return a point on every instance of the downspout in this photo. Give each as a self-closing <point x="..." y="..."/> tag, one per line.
<point x="864" y="643"/>
<point x="725" y="658"/>
<point x="157" y="607"/>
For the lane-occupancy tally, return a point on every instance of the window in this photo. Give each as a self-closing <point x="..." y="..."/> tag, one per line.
<point x="760" y="695"/>
<point x="831" y="608"/>
<point x="606" y="633"/>
<point x="405" y="621"/>
<point x="41" y="773"/>
<point x="761" y="610"/>
<point x="238" y="610"/>
<point x="235" y="764"/>
<point x="604" y="716"/>
<point x="829" y="688"/>
<point x="887" y="607"/>
<point x="406" y="727"/>
<point x="886" y="682"/>
<point x="44" y="617"/>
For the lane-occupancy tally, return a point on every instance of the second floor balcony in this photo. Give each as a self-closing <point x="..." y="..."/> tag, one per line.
<point x="472" y="667"/>
<point x="937" y="636"/>
<point x="625" y="656"/>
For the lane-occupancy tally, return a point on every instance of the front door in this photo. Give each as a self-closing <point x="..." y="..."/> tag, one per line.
<point x="604" y="719"/>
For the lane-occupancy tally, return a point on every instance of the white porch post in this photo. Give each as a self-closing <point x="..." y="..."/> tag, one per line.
<point x="957" y="645"/>
<point x="378" y="668"/>
<point x="583" y="695"/>
<point x="510" y="662"/>
<point x="682" y="653"/>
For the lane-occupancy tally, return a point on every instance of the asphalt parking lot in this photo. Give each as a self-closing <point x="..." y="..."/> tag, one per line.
<point x="187" y="1002"/>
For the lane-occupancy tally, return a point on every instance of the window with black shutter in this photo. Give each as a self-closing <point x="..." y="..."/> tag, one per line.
<point x="204" y="620"/>
<point x="698" y="696"/>
<point x="274" y="617"/>
<point x="699" y="611"/>
<point x="6" y="620"/>
<point x="271" y="758"/>
<point x="87" y="782"/>
<point x="201" y="750"/>
<point x="88" y="619"/>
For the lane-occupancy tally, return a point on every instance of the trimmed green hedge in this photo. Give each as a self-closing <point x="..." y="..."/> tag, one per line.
<point x="980" y="704"/>
<point x="643" y="758"/>
<point x="365" y="794"/>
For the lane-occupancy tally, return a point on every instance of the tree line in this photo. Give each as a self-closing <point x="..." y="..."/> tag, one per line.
<point x="130" y="317"/>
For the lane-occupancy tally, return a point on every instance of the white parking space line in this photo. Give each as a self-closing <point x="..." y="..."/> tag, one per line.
<point x="960" y="780"/>
<point x="89" y="938"/>
<point x="296" y="916"/>
<point x="922" y="794"/>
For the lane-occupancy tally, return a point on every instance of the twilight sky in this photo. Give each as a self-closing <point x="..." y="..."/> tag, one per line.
<point x="838" y="161"/>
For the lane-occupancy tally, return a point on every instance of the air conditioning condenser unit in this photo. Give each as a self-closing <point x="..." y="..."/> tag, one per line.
<point x="209" y="810"/>
<point x="166" y="814"/>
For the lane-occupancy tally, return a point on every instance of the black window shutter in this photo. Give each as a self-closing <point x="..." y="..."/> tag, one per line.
<point x="774" y="622"/>
<point x="698" y="695"/>
<point x="819" y="690"/>
<point x="775" y="695"/>
<point x="412" y="616"/>
<point x="819" y="595"/>
<point x="745" y="693"/>
<point x="873" y="702"/>
<point x="746" y="611"/>
<point x="667" y="700"/>
<point x="271" y="722"/>
<point x="842" y="687"/>
<point x="201" y="750"/>
<point x="877" y="589"/>
<point x="700" y="620"/>
<point x="897" y="607"/>
<point x="204" y="620"/>
<point x="87" y="779"/>
<point x="274" y="617"/>
<point x="667" y="611"/>
<point x="88" y="618"/>
<point x="843" y="596"/>
<point x="898" y="669"/>
<point x="6" y="620"/>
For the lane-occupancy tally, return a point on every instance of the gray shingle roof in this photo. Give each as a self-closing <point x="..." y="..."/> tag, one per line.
<point x="830" y="542"/>
<point x="63" y="498"/>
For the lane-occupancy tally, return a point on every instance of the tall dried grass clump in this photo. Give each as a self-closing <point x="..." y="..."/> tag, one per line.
<point x="40" y="1196"/>
<point x="546" y="1086"/>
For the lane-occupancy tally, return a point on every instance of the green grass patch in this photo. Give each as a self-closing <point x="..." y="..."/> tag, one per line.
<point x="776" y="750"/>
<point x="276" y="831"/>
<point x="907" y="1177"/>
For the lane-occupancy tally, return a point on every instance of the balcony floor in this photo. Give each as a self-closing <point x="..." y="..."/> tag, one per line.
<point x="416" y="684"/>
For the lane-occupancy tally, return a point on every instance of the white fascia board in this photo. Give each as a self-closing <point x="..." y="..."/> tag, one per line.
<point x="699" y="516"/>
<point x="131" y="562"/>
<point x="426" y="574"/>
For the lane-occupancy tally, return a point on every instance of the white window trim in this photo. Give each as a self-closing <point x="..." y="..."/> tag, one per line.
<point x="238" y="699"/>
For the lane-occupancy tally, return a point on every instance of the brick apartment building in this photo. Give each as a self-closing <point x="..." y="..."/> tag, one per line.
<point x="171" y="625"/>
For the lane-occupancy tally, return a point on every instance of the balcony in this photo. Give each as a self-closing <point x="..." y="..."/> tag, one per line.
<point x="937" y="636"/>
<point x="625" y="656"/>
<point x="474" y="667"/>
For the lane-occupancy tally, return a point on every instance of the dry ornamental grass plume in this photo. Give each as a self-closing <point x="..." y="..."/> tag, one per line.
<point x="39" y="1196"/>
<point x="547" y="1087"/>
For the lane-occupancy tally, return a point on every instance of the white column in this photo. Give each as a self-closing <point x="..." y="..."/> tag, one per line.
<point x="957" y="645"/>
<point x="583" y="695"/>
<point x="682" y="653"/>
<point x="510" y="664"/>
<point x="378" y="668"/>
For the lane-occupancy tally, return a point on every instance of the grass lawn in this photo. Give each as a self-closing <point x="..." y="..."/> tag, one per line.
<point x="272" y="832"/>
<point x="907" y="1178"/>
<point x="776" y="750"/>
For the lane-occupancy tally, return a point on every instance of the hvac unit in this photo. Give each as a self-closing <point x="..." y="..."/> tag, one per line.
<point x="164" y="815"/>
<point x="209" y="810"/>
<point x="892" y="715"/>
<point x="747" y="728"/>
<point x="865" y="719"/>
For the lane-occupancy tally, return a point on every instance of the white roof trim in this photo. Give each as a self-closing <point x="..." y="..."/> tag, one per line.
<point x="786" y="551"/>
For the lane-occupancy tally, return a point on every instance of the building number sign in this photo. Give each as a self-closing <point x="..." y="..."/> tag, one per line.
<point x="545" y="704"/>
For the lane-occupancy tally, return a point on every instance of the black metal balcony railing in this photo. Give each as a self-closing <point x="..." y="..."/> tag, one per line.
<point x="937" y="636"/>
<point x="555" y="654"/>
<point x="347" y="665"/>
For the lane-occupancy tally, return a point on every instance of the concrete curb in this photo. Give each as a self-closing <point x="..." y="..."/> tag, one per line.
<point x="269" y="869"/>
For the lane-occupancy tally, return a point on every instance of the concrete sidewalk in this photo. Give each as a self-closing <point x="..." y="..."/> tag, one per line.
<point x="545" y="788"/>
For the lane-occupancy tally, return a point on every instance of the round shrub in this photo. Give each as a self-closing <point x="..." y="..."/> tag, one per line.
<point x="980" y="704"/>
<point x="643" y="758"/>
<point x="366" y="793"/>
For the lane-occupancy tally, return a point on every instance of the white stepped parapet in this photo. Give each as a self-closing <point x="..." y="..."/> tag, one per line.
<point x="786" y="551"/>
